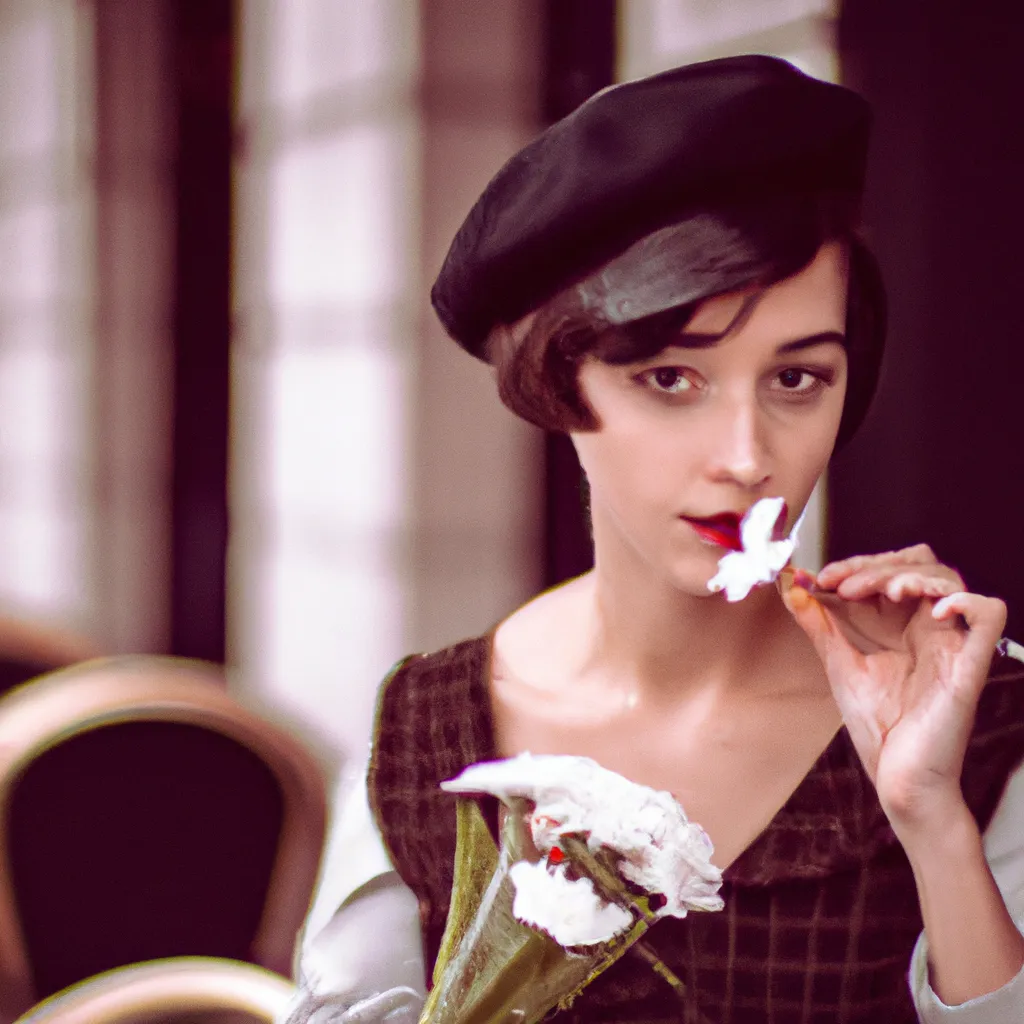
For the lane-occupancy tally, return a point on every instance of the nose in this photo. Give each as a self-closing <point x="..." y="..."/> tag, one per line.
<point x="738" y="446"/>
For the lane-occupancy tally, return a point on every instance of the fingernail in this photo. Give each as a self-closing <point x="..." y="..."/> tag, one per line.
<point x="798" y="598"/>
<point x="785" y="579"/>
<point x="802" y="578"/>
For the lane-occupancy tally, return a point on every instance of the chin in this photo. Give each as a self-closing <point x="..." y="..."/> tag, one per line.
<point x="690" y="575"/>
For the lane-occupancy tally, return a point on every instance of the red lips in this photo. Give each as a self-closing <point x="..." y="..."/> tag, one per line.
<point x="723" y="529"/>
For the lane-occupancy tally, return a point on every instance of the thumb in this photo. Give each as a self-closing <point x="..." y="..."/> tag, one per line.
<point x="821" y="627"/>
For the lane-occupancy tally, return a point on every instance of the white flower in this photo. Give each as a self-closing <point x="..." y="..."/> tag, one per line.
<point x="569" y="910"/>
<point x="762" y="558"/>
<point x="660" y="850"/>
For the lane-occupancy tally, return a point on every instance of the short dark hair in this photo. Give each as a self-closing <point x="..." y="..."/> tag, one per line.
<point x="538" y="359"/>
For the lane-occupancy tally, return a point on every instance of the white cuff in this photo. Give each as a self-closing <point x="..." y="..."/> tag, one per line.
<point x="396" y="1006"/>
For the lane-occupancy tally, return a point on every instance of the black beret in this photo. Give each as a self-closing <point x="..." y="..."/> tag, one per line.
<point x="636" y="158"/>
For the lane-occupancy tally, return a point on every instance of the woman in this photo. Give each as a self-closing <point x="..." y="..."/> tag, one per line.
<point x="673" y="276"/>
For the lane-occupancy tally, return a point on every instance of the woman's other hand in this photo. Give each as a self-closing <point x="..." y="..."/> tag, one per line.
<point x="907" y="651"/>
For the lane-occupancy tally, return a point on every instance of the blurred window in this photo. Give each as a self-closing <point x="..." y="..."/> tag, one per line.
<point x="659" y="34"/>
<point x="326" y="266"/>
<point x="46" y="306"/>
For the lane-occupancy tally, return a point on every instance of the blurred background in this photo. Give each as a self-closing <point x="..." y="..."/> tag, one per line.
<point x="230" y="426"/>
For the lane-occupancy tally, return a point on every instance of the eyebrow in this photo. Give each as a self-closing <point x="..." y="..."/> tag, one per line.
<point x="822" y="338"/>
<point x="697" y="340"/>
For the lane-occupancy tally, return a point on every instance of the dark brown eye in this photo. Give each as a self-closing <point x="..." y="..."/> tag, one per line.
<point x="801" y="383"/>
<point x="670" y="379"/>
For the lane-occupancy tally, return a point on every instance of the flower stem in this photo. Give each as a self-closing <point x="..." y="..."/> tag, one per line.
<point x="646" y="953"/>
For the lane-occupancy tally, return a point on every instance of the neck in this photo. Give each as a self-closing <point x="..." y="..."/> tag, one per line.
<point x="666" y="644"/>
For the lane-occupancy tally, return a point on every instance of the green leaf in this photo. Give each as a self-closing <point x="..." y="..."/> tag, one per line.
<point x="476" y="857"/>
<point x="492" y="969"/>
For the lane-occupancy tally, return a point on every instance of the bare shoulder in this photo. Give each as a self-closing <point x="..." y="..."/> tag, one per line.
<point x="533" y="646"/>
<point x="534" y="681"/>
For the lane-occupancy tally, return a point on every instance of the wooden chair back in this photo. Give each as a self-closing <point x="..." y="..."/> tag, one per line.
<point x="190" y="985"/>
<point x="118" y="751"/>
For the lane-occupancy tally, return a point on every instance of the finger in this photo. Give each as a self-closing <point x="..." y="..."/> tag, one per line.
<point x="903" y="586"/>
<point x="791" y="576"/>
<point x="932" y="580"/>
<point x="823" y="630"/>
<point x="985" y="616"/>
<point x="831" y="575"/>
<point x="907" y="585"/>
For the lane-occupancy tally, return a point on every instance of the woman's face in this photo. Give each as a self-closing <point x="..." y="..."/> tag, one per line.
<point x="696" y="432"/>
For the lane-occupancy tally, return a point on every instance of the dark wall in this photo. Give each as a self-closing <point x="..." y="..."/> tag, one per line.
<point x="940" y="457"/>
<point x="204" y="50"/>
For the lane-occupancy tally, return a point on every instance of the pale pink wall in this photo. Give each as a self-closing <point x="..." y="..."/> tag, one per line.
<point x="476" y="468"/>
<point x="133" y="383"/>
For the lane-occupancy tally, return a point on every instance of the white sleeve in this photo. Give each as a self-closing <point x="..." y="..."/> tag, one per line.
<point x="359" y="957"/>
<point x="1004" y="850"/>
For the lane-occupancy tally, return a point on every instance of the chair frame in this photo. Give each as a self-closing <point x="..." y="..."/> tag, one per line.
<point x="41" y="714"/>
<point x="164" y="987"/>
<point x="44" y="642"/>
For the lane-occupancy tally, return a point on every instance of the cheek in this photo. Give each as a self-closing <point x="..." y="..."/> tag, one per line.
<point x="812" y="456"/>
<point x="810" y="446"/>
<point x="813" y="430"/>
<point x="604" y="460"/>
<point x="830" y="430"/>
<point x="629" y="467"/>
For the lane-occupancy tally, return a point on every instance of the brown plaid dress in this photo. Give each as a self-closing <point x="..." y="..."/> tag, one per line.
<point x="821" y="911"/>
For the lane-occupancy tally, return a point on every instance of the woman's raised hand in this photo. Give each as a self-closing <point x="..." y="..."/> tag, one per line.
<point x="907" y="651"/>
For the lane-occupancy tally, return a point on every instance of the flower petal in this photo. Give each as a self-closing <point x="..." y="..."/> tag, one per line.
<point x="657" y="848"/>
<point x="762" y="558"/>
<point x="569" y="910"/>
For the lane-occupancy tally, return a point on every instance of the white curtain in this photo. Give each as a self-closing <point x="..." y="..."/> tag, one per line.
<point x="46" y="312"/>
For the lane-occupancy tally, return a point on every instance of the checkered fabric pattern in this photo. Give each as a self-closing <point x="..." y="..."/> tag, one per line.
<point x="820" y="914"/>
